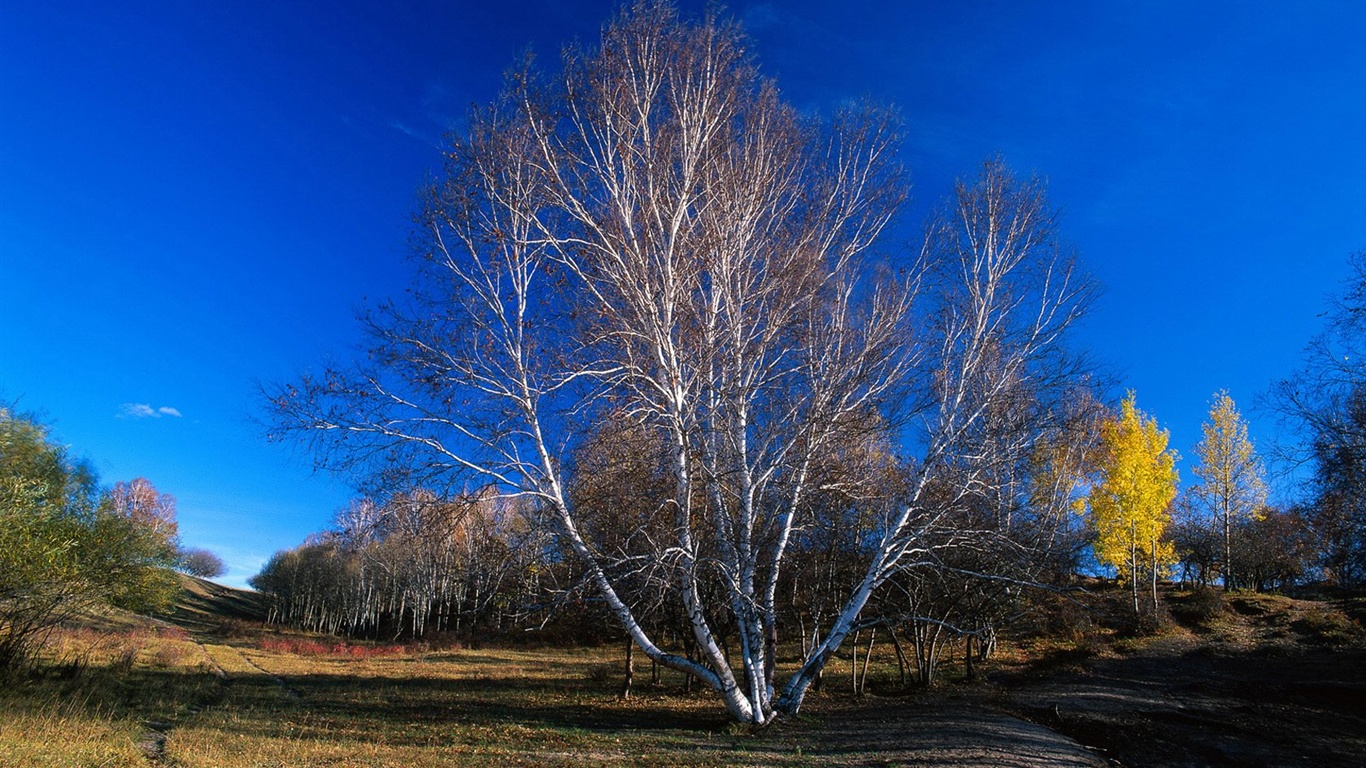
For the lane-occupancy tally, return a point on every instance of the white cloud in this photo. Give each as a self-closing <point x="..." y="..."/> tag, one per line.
<point x="145" y="411"/>
<point x="136" y="411"/>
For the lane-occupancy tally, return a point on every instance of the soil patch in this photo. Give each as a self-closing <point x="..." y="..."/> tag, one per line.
<point x="1270" y="686"/>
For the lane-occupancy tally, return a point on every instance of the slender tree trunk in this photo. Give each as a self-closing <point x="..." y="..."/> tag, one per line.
<point x="629" y="673"/>
<point x="1228" y="552"/>
<point x="900" y="660"/>
<point x="1133" y="567"/>
<point x="867" y="657"/>
<point x="1154" y="569"/>
<point x="853" y="663"/>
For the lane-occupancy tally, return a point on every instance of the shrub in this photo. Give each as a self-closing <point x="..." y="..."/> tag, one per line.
<point x="1200" y="607"/>
<point x="201" y="563"/>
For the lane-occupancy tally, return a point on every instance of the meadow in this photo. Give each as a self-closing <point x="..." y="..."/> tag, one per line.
<point x="221" y="692"/>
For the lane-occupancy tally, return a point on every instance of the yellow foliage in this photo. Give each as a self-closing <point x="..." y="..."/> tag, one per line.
<point x="1231" y="475"/>
<point x="1130" y="506"/>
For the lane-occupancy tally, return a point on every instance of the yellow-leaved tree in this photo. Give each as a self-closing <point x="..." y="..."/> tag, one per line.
<point x="1131" y="503"/>
<point x="1232" y="484"/>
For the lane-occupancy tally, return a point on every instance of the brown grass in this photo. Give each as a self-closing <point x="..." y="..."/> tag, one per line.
<point x="285" y="699"/>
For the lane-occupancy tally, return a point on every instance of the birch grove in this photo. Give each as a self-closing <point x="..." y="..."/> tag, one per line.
<point x="409" y="566"/>
<point x="653" y="239"/>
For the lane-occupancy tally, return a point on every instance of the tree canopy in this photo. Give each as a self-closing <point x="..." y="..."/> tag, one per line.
<point x="1232" y="485"/>
<point x="1324" y="405"/>
<point x="653" y="237"/>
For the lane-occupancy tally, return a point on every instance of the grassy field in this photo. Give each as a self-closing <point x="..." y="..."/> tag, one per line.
<point x="128" y="698"/>
<point x="213" y="689"/>
<point x="210" y="687"/>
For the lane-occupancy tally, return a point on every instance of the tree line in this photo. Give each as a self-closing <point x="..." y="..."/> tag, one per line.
<point x="415" y="564"/>
<point x="655" y="316"/>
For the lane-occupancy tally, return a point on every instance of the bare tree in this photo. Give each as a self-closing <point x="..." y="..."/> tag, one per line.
<point x="200" y="562"/>
<point x="141" y="503"/>
<point x="657" y="238"/>
<point x="1324" y="406"/>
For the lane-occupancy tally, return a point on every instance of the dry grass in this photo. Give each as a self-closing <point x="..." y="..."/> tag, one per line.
<point x="491" y="707"/>
<point x="288" y="700"/>
<point x="52" y="734"/>
<point x="87" y="703"/>
<point x="104" y="697"/>
<point x="111" y="697"/>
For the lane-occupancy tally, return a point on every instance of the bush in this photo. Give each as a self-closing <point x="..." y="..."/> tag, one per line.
<point x="1200" y="607"/>
<point x="1327" y="627"/>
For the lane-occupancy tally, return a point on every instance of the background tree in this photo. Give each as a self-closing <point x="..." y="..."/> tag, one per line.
<point x="1131" y="505"/>
<point x="657" y="236"/>
<point x="201" y="563"/>
<point x="1274" y="549"/>
<point x="1199" y="546"/>
<point x="1324" y="406"/>
<point x="142" y="504"/>
<point x="1231" y="479"/>
<point x="1338" y="505"/>
<point x="136" y="545"/>
<point x="414" y="564"/>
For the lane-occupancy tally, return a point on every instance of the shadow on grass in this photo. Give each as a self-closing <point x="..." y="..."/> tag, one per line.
<point x="532" y="703"/>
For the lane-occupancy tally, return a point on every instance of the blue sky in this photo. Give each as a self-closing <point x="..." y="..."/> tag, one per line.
<point x="196" y="197"/>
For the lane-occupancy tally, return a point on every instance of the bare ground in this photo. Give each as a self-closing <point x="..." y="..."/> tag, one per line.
<point x="1179" y="703"/>
<point x="1270" y="681"/>
<point x="939" y="734"/>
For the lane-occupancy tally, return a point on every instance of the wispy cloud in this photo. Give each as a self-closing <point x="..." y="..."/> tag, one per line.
<point x="400" y="127"/>
<point x="145" y="411"/>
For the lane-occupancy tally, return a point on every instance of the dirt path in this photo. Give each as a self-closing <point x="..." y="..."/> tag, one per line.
<point x="1269" y="682"/>
<point x="940" y="734"/>
<point x="229" y="665"/>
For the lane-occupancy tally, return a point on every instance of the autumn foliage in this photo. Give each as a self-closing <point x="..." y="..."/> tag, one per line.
<point x="1131" y="503"/>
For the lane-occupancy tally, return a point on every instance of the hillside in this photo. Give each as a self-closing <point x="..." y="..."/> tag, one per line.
<point x="205" y="606"/>
<point x="1244" y="680"/>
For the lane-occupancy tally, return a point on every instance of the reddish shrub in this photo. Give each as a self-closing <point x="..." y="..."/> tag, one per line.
<point x="171" y="632"/>
<point x="304" y="647"/>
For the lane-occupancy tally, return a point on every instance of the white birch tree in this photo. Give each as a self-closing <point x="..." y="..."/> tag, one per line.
<point x="656" y="236"/>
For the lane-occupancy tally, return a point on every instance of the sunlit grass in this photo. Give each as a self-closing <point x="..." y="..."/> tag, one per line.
<point x="111" y="697"/>
<point x="485" y="707"/>
<point x="89" y="699"/>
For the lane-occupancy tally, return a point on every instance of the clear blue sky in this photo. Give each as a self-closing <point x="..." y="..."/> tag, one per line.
<point x="198" y="196"/>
